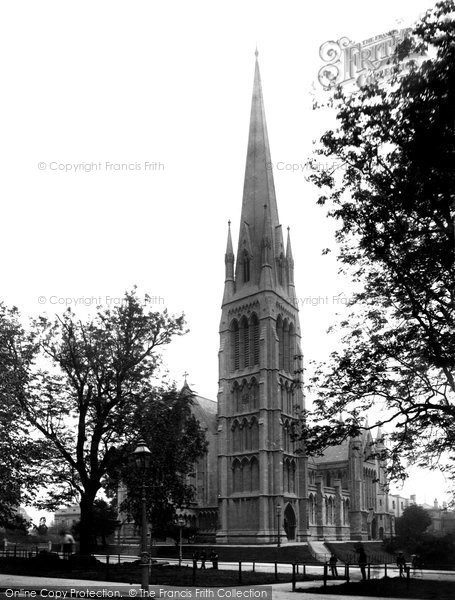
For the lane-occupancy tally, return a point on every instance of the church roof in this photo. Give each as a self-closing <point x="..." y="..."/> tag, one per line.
<point x="205" y="411"/>
<point x="334" y="453"/>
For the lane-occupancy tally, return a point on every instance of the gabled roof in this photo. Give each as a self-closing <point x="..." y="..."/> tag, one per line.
<point x="204" y="409"/>
<point x="334" y="454"/>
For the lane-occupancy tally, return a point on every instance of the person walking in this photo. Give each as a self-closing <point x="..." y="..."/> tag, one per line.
<point x="401" y="563"/>
<point x="203" y="557"/>
<point x="333" y="565"/>
<point x="362" y="562"/>
<point x="416" y="561"/>
<point x="214" y="558"/>
<point x="67" y="544"/>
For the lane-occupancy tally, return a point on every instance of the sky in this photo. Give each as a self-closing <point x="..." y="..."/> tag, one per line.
<point x="165" y="87"/>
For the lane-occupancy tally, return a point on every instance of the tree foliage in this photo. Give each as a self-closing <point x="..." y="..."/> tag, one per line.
<point x="394" y="200"/>
<point x="18" y="453"/>
<point x="176" y="440"/>
<point x="76" y="383"/>
<point x="414" y="521"/>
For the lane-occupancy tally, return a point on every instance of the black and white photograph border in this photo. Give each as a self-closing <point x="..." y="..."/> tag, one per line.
<point x="227" y="301"/>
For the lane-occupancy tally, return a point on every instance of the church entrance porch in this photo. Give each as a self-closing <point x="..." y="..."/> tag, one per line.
<point x="289" y="523"/>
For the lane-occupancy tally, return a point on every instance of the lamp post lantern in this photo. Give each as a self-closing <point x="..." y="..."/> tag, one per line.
<point x="142" y="459"/>
<point x="181" y="523"/>
<point x="278" y="518"/>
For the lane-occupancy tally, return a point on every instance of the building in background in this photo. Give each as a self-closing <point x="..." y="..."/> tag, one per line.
<point x="65" y="518"/>
<point x="398" y="504"/>
<point x="442" y="519"/>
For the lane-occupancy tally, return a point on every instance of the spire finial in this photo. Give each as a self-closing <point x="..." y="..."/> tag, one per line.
<point x="185" y="375"/>
<point x="229" y="223"/>
<point x="256" y="53"/>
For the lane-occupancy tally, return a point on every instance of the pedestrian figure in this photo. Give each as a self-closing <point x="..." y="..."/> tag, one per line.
<point x="195" y="558"/>
<point x="214" y="559"/>
<point x="416" y="561"/>
<point x="401" y="563"/>
<point x="67" y="544"/>
<point x="203" y="557"/>
<point x="333" y="565"/>
<point x="362" y="562"/>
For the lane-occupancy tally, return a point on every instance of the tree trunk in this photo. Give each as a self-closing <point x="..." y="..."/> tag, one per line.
<point x="86" y="527"/>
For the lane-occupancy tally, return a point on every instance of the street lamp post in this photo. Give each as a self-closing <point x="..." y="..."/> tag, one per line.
<point x="181" y="523"/>
<point x="142" y="458"/>
<point x="278" y="518"/>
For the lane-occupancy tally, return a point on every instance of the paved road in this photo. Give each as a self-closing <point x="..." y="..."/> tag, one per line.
<point x="8" y="583"/>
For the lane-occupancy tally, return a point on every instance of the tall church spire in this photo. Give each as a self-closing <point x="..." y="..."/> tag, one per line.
<point x="260" y="362"/>
<point x="259" y="188"/>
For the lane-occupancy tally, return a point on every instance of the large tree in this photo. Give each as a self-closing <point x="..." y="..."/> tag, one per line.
<point x="176" y="441"/>
<point x="78" y="393"/>
<point x="18" y="453"/>
<point x="414" y="521"/>
<point x="394" y="200"/>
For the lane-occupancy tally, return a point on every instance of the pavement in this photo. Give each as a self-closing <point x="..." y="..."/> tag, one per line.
<point x="47" y="587"/>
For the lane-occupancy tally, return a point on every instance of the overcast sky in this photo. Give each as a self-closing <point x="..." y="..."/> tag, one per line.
<point x="168" y="84"/>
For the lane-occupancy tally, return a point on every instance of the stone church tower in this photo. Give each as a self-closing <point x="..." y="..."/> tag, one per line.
<point x="252" y="466"/>
<point x="262" y="475"/>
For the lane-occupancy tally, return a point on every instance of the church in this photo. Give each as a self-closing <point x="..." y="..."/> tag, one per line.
<point x="254" y="483"/>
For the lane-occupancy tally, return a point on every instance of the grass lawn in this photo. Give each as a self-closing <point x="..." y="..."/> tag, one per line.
<point x="131" y="573"/>
<point x="392" y="587"/>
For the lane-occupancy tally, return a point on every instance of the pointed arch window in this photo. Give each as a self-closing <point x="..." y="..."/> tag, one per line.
<point x="235" y="346"/>
<point x="246" y="475"/>
<point x="286" y="436"/>
<point x="312" y="509"/>
<point x="254" y="434"/>
<point x="254" y="394"/>
<point x="292" y="350"/>
<point x="286" y="476"/>
<point x="237" y="397"/>
<point x="285" y="346"/>
<point x="245" y="435"/>
<point x="346" y="512"/>
<point x="279" y="333"/>
<point x="236" y="476"/>
<point x="254" y="341"/>
<point x="246" y="262"/>
<point x="236" y="441"/>
<point x="254" y="474"/>
<point x="244" y="343"/>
